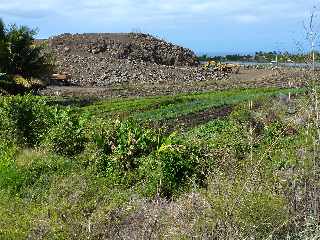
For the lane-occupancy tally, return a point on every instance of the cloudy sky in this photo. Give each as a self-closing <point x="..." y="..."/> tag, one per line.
<point x="212" y="26"/>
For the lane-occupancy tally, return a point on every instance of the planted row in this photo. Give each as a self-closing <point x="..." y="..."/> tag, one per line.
<point x="123" y="152"/>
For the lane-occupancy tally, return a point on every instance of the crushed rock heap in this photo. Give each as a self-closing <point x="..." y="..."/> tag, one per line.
<point x="102" y="59"/>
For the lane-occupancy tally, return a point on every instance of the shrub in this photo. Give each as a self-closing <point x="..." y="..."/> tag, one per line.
<point x="227" y="142"/>
<point x="67" y="136"/>
<point x="134" y="141"/>
<point x="25" y="119"/>
<point x="101" y="138"/>
<point x="118" y="149"/>
<point x="241" y="114"/>
<point x="102" y="134"/>
<point x="174" y="167"/>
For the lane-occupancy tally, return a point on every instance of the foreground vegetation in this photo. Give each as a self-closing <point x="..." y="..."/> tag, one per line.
<point x="122" y="169"/>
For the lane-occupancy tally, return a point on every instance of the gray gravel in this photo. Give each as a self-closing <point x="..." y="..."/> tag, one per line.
<point x="105" y="59"/>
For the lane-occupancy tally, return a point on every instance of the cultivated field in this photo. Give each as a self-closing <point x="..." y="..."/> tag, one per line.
<point x="126" y="136"/>
<point x="231" y="164"/>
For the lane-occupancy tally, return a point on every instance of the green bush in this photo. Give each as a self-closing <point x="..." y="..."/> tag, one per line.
<point x="25" y="119"/>
<point x="102" y="134"/>
<point x="67" y="136"/>
<point x="226" y="140"/>
<point x="101" y="137"/>
<point x="242" y="114"/>
<point x="9" y="86"/>
<point x="134" y="141"/>
<point x="118" y="149"/>
<point x="174" y="167"/>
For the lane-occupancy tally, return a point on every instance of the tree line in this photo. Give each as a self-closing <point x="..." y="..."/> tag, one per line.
<point x="260" y="56"/>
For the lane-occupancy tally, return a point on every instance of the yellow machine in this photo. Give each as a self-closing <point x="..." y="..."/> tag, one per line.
<point x="222" y="67"/>
<point x="210" y="64"/>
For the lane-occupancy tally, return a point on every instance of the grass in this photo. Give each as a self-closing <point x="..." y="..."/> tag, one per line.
<point x="166" y="107"/>
<point x="89" y="176"/>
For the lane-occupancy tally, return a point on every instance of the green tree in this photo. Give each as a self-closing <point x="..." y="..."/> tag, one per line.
<point x="19" y="55"/>
<point x="4" y="50"/>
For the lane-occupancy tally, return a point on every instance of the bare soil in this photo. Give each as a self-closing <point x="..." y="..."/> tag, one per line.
<point x="246" y="78"/>
<point x="195" y="119"/>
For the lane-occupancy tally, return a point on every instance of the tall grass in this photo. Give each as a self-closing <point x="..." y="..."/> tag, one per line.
<point x="70" y="174"/>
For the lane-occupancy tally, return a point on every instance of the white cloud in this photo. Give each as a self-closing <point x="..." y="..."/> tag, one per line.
<point x="198" y="23"/>
<point x="246" y="18"/>
<point x="247" y="10"/>
<point x="151" y="14"/>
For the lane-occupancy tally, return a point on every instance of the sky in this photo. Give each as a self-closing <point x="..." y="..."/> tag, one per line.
<point x="205" y="26"/>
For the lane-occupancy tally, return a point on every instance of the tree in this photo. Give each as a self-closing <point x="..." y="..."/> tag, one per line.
<point x="19" y="55"/>
<point x="4" y="50"/>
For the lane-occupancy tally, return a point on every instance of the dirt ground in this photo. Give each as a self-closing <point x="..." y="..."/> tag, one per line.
<point x="246" y="78"/>
<point x="195" y="119"/>
<point x="253" y="75"/>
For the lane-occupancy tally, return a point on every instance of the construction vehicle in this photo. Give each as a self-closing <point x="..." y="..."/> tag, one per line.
<point x="210" y="64"/>
<point x="222" y="67"/>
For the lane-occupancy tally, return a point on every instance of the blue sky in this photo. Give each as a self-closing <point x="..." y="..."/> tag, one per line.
<point x="213" y="26"/>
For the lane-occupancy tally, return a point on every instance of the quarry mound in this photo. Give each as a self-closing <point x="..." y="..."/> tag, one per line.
<point x="101" y="59"/>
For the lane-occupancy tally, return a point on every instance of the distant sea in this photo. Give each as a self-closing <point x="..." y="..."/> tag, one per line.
<point x="212" y="54"/>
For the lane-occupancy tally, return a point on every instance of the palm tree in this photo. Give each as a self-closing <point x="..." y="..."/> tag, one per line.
<point x="19" y="55"/>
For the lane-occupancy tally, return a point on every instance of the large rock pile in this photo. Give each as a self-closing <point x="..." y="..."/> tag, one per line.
<point x="104" y="59"/>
